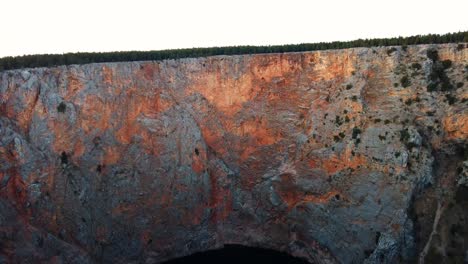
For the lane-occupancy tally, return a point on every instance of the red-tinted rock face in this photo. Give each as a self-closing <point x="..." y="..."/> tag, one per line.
<point x="317" y="154"/>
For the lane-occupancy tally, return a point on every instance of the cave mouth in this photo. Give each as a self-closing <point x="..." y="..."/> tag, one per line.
<point x="239" y="254"/>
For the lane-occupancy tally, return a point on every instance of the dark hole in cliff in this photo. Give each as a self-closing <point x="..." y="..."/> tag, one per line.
<point x="64" y="158"/>
<point x="61" y="107"/>
<point x="377" y="237"/>
<point x="197" y="152"/>
<point x="96" y="141"/>
<point x="99" y="168"/>
<point x="239" y="254"/>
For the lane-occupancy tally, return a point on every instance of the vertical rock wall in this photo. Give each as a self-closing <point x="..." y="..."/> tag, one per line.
<point x="336" y="156"/>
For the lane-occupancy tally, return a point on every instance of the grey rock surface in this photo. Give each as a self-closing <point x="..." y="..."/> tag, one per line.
<point x="323" y="155"/>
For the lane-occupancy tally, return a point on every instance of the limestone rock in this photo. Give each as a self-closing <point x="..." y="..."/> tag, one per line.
<point x="318" y="154"/>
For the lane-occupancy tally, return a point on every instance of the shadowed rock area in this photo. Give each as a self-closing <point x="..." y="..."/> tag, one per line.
<point x="234" y="254"/>
<point x="339" y="156"/>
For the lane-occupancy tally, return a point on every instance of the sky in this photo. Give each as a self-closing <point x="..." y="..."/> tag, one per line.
<point x="60" y="26"/>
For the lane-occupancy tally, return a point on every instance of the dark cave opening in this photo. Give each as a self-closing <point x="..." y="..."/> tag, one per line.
<point x="239" y="254"/>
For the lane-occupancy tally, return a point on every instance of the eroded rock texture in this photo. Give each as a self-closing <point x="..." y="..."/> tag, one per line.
<point x="340" y="156"/>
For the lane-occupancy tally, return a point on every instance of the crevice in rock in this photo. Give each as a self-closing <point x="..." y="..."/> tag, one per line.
<point x="439" y="217"/>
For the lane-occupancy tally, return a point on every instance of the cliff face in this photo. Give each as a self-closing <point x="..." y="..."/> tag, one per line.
<point x="324" y="155"/>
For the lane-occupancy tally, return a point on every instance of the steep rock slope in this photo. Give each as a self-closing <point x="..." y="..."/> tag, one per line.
<point x="339" y="156"/>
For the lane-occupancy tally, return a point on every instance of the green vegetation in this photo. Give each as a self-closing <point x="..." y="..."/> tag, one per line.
<point x="338" y="120"/>
<point x="356" y="132"/>
<point x="49" y="60"/>
<point x="61" y="107"/>
<point x="416" y="66"/>
<point x="433" y="55"/>
<point x="405" y="138"/>
<point x="447" y="64"/>
<point x="451" y="99"/>
<point x="430" y="113"/>
<point x="405" y="81"/>
<point x="438" y="79"/>
<point x="391" y="50"/>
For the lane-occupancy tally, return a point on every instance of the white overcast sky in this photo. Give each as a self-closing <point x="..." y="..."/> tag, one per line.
<point x="58" y="26"/>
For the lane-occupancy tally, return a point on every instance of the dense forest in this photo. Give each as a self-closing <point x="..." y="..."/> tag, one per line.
<point x="48" y="60"/>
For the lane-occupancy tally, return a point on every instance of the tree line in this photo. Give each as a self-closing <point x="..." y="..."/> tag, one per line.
<point x="49" y="60"/>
